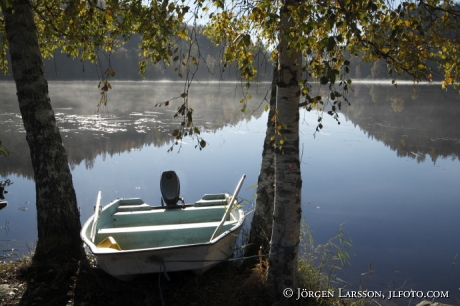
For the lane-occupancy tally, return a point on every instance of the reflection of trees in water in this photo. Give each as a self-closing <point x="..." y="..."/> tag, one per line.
<point x="129" y="122"/>
<point x="413" y="125"/>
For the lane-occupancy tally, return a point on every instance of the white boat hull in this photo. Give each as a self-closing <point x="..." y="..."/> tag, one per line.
<point x="125" y="265"/>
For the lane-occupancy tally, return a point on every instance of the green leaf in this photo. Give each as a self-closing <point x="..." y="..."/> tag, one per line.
<point x="247" y="40"/>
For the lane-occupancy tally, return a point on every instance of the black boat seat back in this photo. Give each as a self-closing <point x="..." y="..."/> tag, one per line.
<point x="170" y="187"/>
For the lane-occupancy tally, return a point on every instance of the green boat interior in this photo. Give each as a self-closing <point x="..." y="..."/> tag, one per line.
<point x="132" y="224"/>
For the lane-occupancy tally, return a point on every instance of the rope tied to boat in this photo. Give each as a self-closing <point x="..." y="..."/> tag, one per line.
<point x="290" y="248"/>
<point x="165" y="274"/>
<point x="287" y="249"/>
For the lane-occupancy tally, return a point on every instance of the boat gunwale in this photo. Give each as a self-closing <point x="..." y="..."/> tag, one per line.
<point x="177" y="247"/>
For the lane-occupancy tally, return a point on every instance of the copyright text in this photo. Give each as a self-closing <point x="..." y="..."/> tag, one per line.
<point x="300" y="293"/>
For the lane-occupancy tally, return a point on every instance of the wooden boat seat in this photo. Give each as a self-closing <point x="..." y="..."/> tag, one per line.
<point x="161" y="235"/>
<point x="165" y="216"/>
<point x="131" y="207"/>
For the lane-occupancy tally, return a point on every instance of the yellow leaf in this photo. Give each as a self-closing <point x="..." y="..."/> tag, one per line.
<point x="182" y="34"/>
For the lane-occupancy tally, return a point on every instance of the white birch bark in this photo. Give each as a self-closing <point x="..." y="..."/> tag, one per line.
<point x="287" y="211"/>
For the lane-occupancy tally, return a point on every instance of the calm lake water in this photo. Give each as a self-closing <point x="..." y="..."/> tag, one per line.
<point x="389" y="173"/>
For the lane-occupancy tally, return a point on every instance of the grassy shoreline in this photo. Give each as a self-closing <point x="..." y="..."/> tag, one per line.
<point x="226" y="284"/>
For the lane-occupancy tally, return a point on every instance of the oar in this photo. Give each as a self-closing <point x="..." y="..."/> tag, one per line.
<point x="229" y="208"/>
<point x="96" y="217"/>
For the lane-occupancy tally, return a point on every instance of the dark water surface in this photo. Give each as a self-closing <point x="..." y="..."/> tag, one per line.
<point x="389" y="173"/>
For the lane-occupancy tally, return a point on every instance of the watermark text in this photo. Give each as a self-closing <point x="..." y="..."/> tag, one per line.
<point x="300" y="293"/>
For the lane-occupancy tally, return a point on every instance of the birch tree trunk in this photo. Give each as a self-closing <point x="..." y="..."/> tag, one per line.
<point x="58" y="219"/>
<point x="262" y="221"/>
<point x="282" y="270"/>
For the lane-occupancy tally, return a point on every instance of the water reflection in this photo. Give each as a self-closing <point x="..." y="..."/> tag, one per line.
<point x="130" y="120"/>
<point x="418" y="125"/>
<point x="414" y="125"/>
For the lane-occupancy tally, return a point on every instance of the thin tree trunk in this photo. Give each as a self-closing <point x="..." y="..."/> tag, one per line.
<point x="58" y="219"/>
<point x="282" y="270"/>
<point x="262" y="221"/>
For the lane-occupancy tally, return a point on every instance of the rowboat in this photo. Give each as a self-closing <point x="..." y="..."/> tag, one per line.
<point x="129" y="237"/>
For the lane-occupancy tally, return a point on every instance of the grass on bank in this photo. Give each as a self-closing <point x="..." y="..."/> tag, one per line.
<point x="229" y="283"/>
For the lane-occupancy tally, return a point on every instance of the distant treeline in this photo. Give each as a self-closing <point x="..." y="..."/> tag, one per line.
<point x="125" y="63"/>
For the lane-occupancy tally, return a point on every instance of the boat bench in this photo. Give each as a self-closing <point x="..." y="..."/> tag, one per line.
<point x="161" y="235"/>
<point x="168" y="216"/>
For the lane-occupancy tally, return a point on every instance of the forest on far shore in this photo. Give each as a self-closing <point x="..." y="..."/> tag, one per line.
<point x="125" y="63"/>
